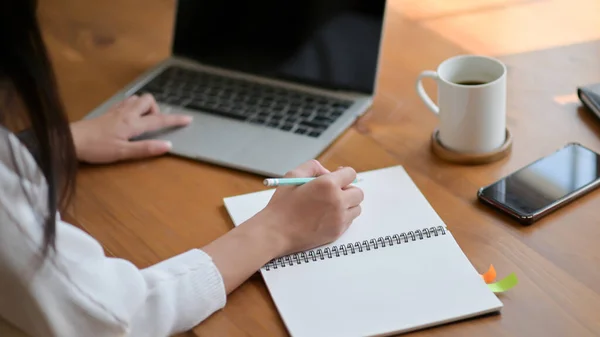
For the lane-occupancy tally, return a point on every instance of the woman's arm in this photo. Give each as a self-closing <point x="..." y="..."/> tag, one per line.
<point x="81" y="292"/>
<point x="78" y="291"/>
<point x="296" y="219"/>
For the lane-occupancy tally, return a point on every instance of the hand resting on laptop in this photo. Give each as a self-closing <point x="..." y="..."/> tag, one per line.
<point x="107" y="138"/>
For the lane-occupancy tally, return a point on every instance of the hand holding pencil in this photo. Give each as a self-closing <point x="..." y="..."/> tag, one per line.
<point x="319" y="209"/>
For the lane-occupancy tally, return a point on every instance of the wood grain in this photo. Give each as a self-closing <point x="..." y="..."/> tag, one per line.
<point x="150" y="210"/>
<point x="525" y="26"/>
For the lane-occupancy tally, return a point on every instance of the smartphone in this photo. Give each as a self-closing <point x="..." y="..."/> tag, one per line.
<point x="545" y="185"/>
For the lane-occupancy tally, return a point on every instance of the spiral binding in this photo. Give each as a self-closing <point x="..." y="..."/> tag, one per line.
<point x="318" y="254"/>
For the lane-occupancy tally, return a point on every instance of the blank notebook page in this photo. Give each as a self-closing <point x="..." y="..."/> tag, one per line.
<point x="344" y="289"/>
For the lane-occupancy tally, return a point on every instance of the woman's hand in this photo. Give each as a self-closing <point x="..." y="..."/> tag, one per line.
<point x="106" y="139"/>
<point x="315" y="213"/>
<point x="296" y="218"/>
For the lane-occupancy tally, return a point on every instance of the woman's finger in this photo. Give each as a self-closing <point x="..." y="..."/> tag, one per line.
<point x="125" y="102"/>
<point x="131" y="98"/>
<point x="144" y="105"/>
<point x="353" y="213"/>
<point x="144" y="149"/>
<point x="155" y="122"/>
<point x="311" y="168"/>
<point x="353" y="196"/>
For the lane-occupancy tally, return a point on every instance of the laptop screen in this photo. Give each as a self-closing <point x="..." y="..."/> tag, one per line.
<point x="327" y="43"/>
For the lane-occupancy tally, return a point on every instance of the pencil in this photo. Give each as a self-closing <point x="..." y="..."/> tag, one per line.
<point x="290" y="181"/>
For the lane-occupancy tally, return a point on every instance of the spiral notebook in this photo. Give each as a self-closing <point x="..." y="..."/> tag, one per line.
<point x="396" y="269"/>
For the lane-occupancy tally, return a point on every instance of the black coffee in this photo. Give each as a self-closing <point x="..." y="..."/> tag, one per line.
<point x="471" y="82"/>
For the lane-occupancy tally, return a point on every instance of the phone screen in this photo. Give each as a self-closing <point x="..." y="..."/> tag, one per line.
<point x="546" y="180"/>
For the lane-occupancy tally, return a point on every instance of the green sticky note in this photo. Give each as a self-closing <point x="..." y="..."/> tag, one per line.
<point x="505" y="284"/>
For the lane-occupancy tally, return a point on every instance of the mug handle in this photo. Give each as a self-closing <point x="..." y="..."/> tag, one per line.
<point x="421" y="91"/>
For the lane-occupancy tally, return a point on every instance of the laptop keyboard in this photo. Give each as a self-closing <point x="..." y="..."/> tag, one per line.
<point x="246" y="101"/>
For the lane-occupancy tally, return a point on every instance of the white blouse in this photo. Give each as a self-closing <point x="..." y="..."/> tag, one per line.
<point x="79" y="291"/>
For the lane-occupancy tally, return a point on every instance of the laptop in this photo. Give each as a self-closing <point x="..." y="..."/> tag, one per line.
<point x="270" y="84"/>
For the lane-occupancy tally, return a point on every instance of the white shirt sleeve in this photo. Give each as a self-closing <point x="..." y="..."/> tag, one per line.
<point x="78" y="291"/>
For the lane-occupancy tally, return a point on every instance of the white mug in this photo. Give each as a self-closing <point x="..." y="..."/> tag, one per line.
<point x="471" y="103"/>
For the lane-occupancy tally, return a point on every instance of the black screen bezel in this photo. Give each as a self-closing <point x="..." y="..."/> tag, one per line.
<point x="370" y="92"/>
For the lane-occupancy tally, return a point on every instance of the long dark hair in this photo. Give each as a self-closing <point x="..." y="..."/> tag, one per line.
<point x="26" y="71"/>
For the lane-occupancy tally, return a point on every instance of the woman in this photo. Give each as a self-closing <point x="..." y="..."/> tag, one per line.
<point x="54" y="278"/>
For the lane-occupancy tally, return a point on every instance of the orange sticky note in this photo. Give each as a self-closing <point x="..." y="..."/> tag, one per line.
<point x="490" y="275"/>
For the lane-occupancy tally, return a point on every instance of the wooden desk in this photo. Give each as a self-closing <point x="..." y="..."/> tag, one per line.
<point x="150" y="210"/>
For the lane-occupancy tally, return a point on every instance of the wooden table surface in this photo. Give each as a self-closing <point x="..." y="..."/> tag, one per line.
<point x="150" y="210"/>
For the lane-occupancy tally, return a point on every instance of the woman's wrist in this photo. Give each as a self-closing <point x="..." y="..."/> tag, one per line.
<point x="245" y="249"/>
<point x="262" y="229"/>
<point x="79" y="139"/>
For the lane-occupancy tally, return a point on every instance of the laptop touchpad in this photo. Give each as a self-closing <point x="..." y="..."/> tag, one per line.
<point x="209" y="136"/>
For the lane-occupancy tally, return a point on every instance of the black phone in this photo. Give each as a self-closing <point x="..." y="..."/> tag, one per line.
<point x="545" y="185"/>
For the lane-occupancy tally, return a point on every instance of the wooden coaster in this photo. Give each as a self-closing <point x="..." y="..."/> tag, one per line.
<point x="470" y="158"/>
